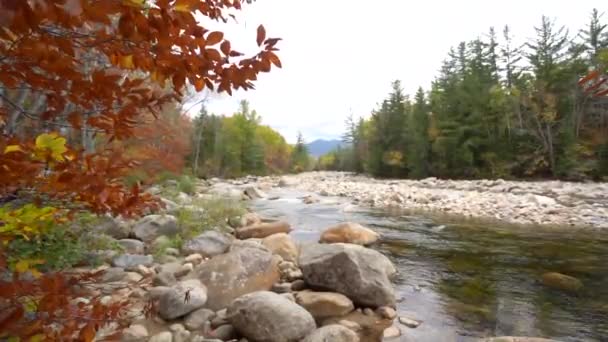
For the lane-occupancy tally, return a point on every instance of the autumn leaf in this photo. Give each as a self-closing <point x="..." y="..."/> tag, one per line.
<point x="134" y="3"/>
<point x="261" y="35"/>
<point x="50" y="144"/>
<point x="126" y="62"/>
<point x="214" y="37"/>
<point x="12" y="148"/>
<point x="274" y="59"/>
<point x="185" y="5"/>
<point x="225" y="47"/>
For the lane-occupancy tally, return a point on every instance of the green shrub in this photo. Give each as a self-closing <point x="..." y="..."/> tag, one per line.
<point x="186" y="184"/>
<point x="59" y="248"/>
<point x="171" y="242"/>
<point x="215" y="214"/>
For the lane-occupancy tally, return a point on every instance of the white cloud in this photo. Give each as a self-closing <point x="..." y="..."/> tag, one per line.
<point x="340" y="55"/>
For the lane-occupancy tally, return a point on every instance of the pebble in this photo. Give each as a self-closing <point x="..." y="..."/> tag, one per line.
<point x="392" y="332"/>
<point x="408" y="322"/>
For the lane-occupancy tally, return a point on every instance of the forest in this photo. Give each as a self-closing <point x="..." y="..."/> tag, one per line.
<point x="495" y="110"/>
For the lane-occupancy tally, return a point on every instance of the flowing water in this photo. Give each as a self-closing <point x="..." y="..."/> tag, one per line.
<point x="466" y="281"/>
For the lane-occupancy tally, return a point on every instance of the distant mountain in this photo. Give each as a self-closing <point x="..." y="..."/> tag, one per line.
<point x="319" y="147"/>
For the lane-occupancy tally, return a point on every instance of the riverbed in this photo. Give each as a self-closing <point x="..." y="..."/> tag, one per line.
<point x="467" y="280"/>
<point x="542" y="203"/>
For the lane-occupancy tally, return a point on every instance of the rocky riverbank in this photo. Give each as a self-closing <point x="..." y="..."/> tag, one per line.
<point x="248" y="281"/>
<point x="553" y="203"/>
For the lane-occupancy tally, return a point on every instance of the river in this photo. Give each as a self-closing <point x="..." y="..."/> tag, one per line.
<point x="465" y="280"/>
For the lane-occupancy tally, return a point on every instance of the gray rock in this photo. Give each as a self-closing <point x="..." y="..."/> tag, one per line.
<point x="113" y="227"/>
<point x="233" y="274"/>
<point x="208" y="244"/>
<point x="172" y="251"/>
<point x="254" y="193"/>
<point x="113" y="274"/>
<point x="219" y="319"/>
<point x="132" y="260"/>
<point x="164" y="336"/>
<point x="281" y="288"/>
<point x="135" y="333"/>
<point x="225" y="332"/>
<point x="298" y="285"/>
<point x="164" y="279"/>
<point x="196" y="319"/>
<point x="266" y="316"/>
<point x="132" y="246"/>
<point x="181" y="299"/>
<point x="357" y="272"/>
<point x="157" y="291"/>
<point x="180" y="334"/>
<point x="170" y="267"/>
<point x="150" y="227"/>
<point x="332" y="333"/>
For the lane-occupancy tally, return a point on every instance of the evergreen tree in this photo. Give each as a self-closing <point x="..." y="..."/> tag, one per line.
<point x="300" y="159"/>
<point x="418" y="157"/>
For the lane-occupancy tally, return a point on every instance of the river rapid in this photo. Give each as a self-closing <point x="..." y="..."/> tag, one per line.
<point x="469" y="279"/>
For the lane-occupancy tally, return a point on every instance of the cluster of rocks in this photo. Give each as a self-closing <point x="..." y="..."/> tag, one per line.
<point x="539" y="203"/>
<point x="256" y="284"/>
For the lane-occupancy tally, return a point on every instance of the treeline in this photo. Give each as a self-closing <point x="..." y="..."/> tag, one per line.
<point x="232" y="146"/>
<point x="496" y="109"/>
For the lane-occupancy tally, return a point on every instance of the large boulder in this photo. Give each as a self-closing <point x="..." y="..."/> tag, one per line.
<point x="208" y="244"/>
<point x="132" y="246"/>
<point x="561" y="282"/>
<point x="357" y="272"/>
<point x="181" y="299"/>
<point x="262" y="230"/>
<point x="323" y="305"/>
<point x="349" y="232"/>
<point x="283" y="245"/>
<point x="332" y="333"/>
<point x="238" y="272"/>
<point x="114" y="227"/>
<point x="150" y="227"/>
<point x="269" y="317"/>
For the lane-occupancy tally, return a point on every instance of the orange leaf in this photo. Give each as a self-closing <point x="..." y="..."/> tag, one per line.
<point x="88" y="333"/>
<point x="185" y="5"/>
<point x="592" y="75"/>
<point x="225" y="47"/>
<point x="199" y="84"/>
<point x="274" y="59"/>
<point x="75" y="120"/>
<point x="214" y="37"/>
<point x="261" y="35"/>
<point x="213" y="54"/>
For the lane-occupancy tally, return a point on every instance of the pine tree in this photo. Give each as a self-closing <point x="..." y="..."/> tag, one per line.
<point x="418" y="157"/>
<point x="300" y="159"/>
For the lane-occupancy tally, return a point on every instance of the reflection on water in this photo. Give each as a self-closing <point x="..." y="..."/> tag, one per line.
<point x="467" y="281"/>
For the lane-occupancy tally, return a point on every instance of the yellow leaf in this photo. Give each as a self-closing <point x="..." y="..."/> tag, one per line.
<point x="127" y="62"/>
<point x="51" y="142"/>
<point x="12" y="148"/>
<point x="37" y="338"/>
<point x="22" y="266"/>
<point x="134" y="3"/>
<point x="183" y="6"/>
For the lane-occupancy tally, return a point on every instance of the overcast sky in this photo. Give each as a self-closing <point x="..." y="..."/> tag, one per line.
<point x="341" y="55"/>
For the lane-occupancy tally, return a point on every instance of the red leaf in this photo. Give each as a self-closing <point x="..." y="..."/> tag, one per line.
<point x="225" y="47"/>
<point x="214" y="37"/>
<point x="261" y="35"/>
